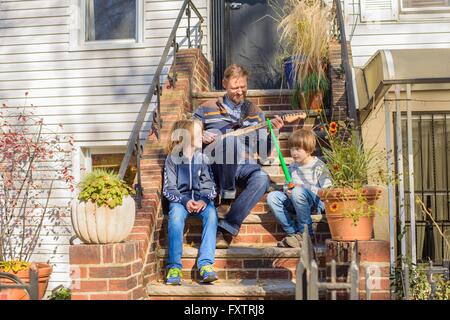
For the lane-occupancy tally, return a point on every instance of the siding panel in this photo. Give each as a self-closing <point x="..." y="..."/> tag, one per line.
<point x="96" y="94"/>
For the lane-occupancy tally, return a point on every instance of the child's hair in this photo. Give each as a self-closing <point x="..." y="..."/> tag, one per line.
<point x="178" y="131"/>
<point x="303" y="139"/>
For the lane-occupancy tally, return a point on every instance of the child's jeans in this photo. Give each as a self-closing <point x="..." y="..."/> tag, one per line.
<point x="177" y="217"/>
<point x="302" y="202"/>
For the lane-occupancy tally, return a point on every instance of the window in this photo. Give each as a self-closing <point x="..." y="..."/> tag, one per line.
<point x="420" y="5"/>
<point x="110" y="19"/>
<point x="106" y="24"/>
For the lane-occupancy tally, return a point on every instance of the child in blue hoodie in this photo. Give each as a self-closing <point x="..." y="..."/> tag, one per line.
<point x="189" y="187"/>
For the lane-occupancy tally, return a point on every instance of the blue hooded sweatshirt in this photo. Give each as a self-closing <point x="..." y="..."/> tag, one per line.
<point x="188" y="179"/>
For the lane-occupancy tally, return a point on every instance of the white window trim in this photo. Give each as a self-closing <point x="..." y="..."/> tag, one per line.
<point x="430" y="12"/>
<point x="77" y="30"/>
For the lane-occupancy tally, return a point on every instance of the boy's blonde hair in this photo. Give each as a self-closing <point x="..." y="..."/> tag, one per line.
<point x="303" y="139"/>
<point x="178" y="132"/>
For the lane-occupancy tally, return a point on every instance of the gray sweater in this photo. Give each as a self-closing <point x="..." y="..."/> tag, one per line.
<point x="313" y="176"/>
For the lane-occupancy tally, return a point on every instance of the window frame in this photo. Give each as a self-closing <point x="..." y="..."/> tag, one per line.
<point x="78" y="31"/>
<point x="425" y="10"/>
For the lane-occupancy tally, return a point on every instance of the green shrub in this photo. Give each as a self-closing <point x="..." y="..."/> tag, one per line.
<point x="105" y="188"/>
<point x="61" y="293"/>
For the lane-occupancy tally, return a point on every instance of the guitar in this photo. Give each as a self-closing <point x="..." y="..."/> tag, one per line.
<point x="289" y="117"/>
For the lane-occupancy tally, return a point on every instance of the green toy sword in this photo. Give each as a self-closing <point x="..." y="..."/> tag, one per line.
<point x="287" y="175"/>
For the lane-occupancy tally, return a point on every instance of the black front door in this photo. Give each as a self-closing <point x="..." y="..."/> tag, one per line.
<point x="247" y="35"/>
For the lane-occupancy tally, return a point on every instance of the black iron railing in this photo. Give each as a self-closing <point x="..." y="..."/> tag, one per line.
<point x="15" y="282"/>
<point x="134" y="145"/>
<point x="339" y="32"/>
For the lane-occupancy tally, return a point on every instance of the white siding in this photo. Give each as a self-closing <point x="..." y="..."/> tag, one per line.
<point x="407" y="32"/>
<point x="96" y="94"/>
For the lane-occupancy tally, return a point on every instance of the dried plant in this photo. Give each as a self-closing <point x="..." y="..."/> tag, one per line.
<point x="305" y="33"/>
<point x="32" y="159"/>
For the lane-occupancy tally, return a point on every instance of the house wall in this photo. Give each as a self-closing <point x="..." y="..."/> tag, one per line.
<point x="96" y="94"/>
<point x="374" y="133"/>
<point x="405" y="31"/>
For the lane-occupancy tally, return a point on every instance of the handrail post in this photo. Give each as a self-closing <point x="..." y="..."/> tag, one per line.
<point x="353" y="114"/>
<point x="188" y="30"/>
<point x="171" y="42"/>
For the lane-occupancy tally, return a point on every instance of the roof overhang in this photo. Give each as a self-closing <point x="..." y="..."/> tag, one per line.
<point x="406" y="66"/>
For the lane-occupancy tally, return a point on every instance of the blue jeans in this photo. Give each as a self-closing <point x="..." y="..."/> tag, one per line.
<point x="255" y="183"/>
<point x="302" y="202"/>
<point x="177" y="217"/>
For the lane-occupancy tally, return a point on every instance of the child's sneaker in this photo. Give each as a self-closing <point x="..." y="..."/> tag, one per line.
<point x="208" y="274"/>
<point x="174" y="277"/>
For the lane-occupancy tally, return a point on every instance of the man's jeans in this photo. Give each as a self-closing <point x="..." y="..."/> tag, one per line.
<point x="255" y="183"/>
<point x="177" y="217"/>
<point x="302" y="202"/>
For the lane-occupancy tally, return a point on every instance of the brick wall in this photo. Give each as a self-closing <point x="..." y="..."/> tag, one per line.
<point x="107" y="272"/>
<point x="337" y="78"/>
<point x="372" y="255"/>
<point x="120" y="271"/>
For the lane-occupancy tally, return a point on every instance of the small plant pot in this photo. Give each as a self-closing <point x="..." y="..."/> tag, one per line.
<point x="44" y="272"/>
<point x="101" y="225"/>
<point x="339" y="203"/>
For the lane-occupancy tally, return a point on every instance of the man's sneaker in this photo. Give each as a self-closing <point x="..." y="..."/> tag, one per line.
<point x="221" y="243"/>
<point x="174" y="277"/>
<point x="224" y="207"/>
<point x="208" y="274"/>
<point x="291" y="241"/>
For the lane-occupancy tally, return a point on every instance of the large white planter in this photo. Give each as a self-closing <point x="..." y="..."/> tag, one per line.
<point x="94" y="224"/>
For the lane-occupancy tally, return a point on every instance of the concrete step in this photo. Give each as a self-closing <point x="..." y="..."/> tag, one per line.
<point x="244" y="262"/>
<point x="228" y="289"/>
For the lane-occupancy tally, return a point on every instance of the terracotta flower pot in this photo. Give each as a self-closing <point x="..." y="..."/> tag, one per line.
<point x="94" y="224"/>
<point x="44" y="272"/>
<point x="339" y="203"/>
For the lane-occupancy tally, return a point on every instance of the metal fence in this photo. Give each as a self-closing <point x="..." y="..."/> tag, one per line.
<point x="15" y="282"/>
<point x="308" y="284"/>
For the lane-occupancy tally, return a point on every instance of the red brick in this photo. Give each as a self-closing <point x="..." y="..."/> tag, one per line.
<point x="376" y="296"/>
<point x="110" y="272"/>
<point x="77" y="272"/>
<point x="228" y="263"/>
<point x="138" y="293"/>
<point x="108" y="253"/>
<point x="76" y="296"/>
<point x="374" y="251"/>
<point x="241" y="274"/>
<point x="84" y="254"/>
<point x="274" y="274"/>
<point x="110" y="296"/>
<point x="91" y="286"/>
<point x="136" y="267"/>
<point x="122" y="285"/>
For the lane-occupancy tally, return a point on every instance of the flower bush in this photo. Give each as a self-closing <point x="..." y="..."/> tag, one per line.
<point x="32" y="159"/>
<point x="351" y="168"/>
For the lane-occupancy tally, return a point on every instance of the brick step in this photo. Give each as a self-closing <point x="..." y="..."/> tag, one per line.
<point x="257" y="229"/>
<point x="224" y="290"/>
<point x="239" y="262"/>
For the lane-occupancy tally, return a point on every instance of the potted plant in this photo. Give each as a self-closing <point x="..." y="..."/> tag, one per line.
<point x="104" y="211"/>
<point x="350" y="204"/>
<point x="310" y="94"/>
<point x="27" y="178"/>
<point x="304" y="37"/>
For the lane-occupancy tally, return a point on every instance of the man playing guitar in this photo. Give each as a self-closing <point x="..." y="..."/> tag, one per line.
<point x="223" y="117"/>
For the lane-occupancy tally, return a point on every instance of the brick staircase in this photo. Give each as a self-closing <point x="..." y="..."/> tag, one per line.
<point x="253" y="267"/>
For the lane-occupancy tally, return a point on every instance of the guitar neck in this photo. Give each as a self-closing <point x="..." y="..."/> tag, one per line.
<point x="242" y="131"/>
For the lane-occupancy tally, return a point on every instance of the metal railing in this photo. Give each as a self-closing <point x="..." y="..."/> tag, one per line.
<point x="134" y="145"/>
<point x="307" y="286"/>
<point x="32" y="289"/>
<point x="339" y="32"/>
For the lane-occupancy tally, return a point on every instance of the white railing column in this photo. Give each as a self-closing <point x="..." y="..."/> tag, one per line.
<point x="411" y="174"/>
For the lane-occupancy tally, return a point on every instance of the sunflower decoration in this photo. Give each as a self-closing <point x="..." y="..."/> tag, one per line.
<point x="334" y="207"/>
